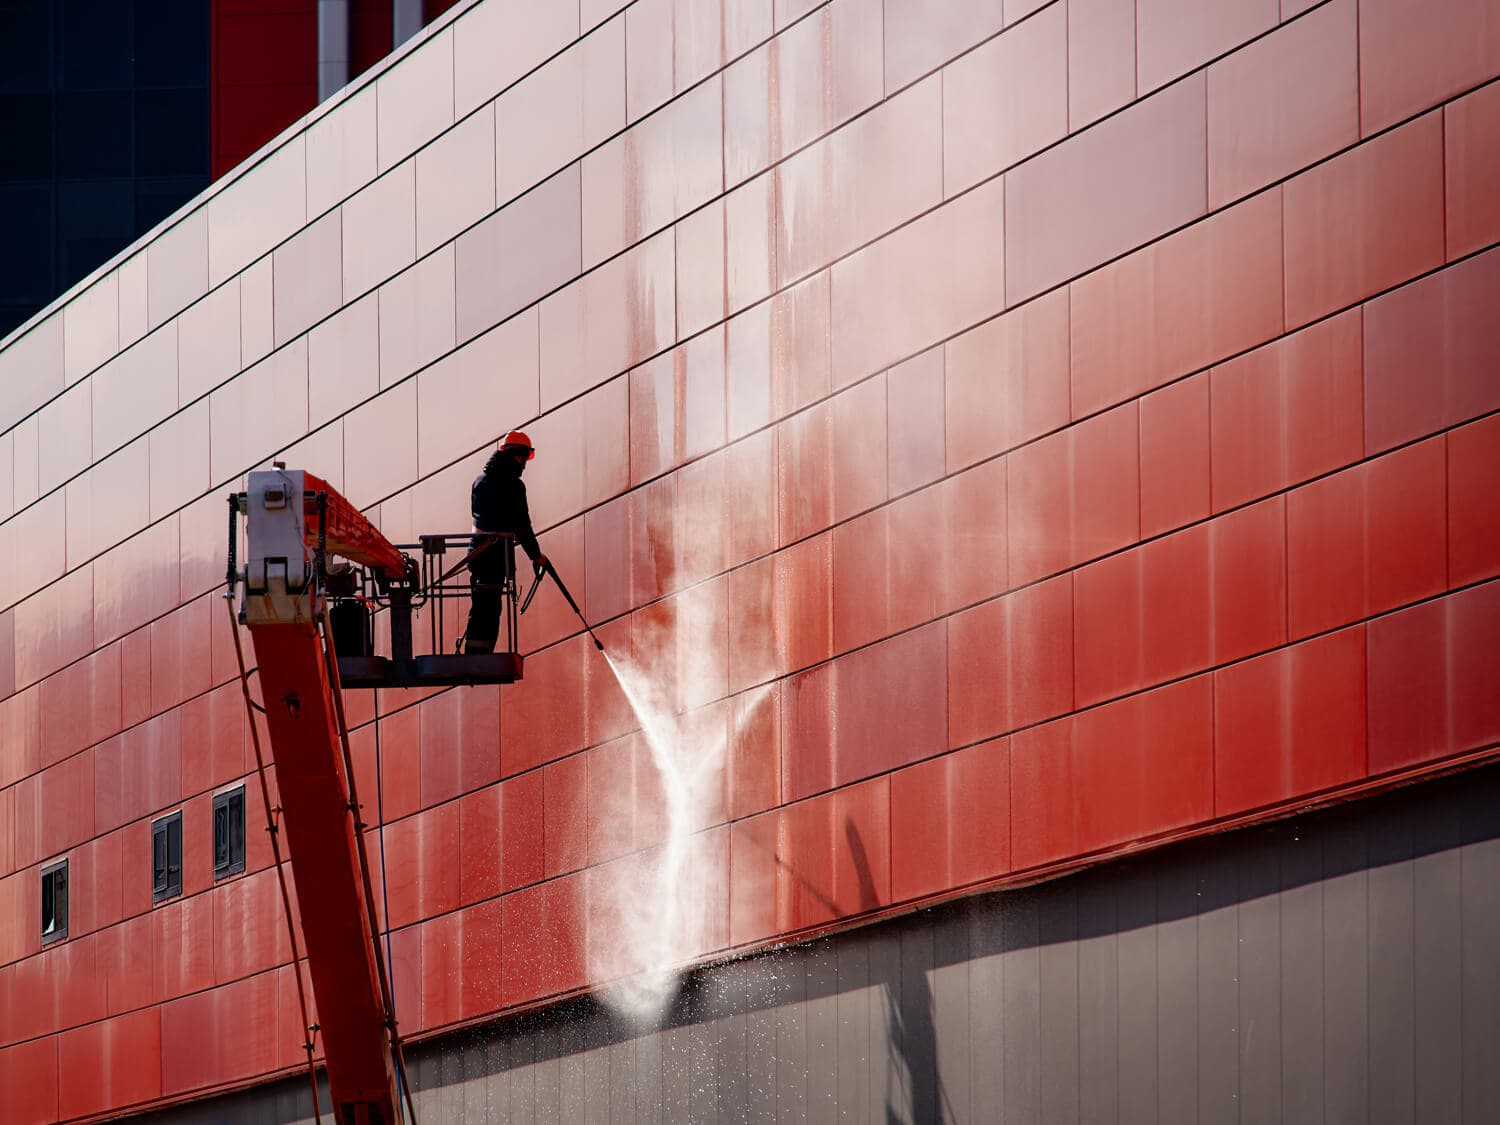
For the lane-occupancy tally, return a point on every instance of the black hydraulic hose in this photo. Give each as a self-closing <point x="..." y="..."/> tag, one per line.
<point x="230" y="575"/>
<point x="536" y="584"/>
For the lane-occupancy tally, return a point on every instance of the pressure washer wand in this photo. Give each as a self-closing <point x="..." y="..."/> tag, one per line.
<point x="552" y="570"/>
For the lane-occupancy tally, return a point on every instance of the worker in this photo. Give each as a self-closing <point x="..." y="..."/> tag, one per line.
<point x="498" y="499"/>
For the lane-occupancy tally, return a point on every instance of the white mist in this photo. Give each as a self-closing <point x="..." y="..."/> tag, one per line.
<point x="656" y="912"/>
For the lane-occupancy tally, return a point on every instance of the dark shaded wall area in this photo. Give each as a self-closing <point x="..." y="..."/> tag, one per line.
<point x="1340" y="966"/>
<point x="104" y="131"/>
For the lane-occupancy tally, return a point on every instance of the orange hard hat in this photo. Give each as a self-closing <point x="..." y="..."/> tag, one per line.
<point x="517" y="440"/>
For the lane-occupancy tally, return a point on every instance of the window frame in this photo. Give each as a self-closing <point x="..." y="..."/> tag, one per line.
<point x="234" y="865"/>
<point x="167" y="889"/>
<point x="59" y="932"/>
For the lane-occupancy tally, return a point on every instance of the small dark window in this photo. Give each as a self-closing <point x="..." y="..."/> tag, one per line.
<point x="166" y="857"/>
<point x="55" y="901"/>
<point x="229" y="832"/>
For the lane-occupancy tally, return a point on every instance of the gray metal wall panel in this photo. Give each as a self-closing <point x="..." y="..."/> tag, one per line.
<point x="763" y="992"/>
<point x="545" y="1101"/>
<point x="1136" y="948"/>
<point x="676" y="1067"/>
<point x="986" y="1015"/>
<point x="703" y="1078"/>
<point x="478" y="1087"/>
<point x="1177" y="995"/>
<point x="1098" y="1003"/>
<point x="620" y="1104"/>
<point x="853" y="1007"/>
<point x="1057" y="972"/>
<point x="596" y="1088"/>
<point x="1437" y="933"/>
<point x="1480" y="955"/>
<point x="465" y="1084"/>
<point x="950" y="1077"/>
<point x="730" y="1045"/>
<point x="511" y="1082"/>
<point x="1258" y="1021"/>
<point x="648" y="1076"/>
<point x="1302" y="980"/>
<point x="821" y="1026"/>
<point x="572" y="1103"/>
<point x="1390" y="926"/>
<point x="885" y="1040"/>
<point x="791" y="1039"/>
<point x="1218" y="989"/>
<point x="1341" y="967"/>
<point x="913" y="1068"/>
<point x="1021" y="1010"/>
<point x="1346" y="974"/>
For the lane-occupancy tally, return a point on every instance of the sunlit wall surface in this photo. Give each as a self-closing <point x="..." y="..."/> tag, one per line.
<point x="1027" y="430"/>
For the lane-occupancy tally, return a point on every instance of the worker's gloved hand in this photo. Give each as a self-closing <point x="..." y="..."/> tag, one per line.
<point x="540" y="562"/>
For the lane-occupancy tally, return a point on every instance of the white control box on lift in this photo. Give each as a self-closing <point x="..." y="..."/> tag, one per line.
<point x="280" y="575"/>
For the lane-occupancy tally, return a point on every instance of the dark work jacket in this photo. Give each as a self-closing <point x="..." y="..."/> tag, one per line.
<point x="498" y="499"/>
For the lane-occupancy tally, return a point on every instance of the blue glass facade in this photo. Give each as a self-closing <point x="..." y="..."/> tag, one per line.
<point x="104" y="130"/>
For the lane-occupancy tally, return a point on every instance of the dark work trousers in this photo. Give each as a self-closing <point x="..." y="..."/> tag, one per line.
<point x="487" y="579"/>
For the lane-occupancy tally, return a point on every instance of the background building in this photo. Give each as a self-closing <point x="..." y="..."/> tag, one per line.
<point x="113" y="113"/>
<point x="1025" y="436"/>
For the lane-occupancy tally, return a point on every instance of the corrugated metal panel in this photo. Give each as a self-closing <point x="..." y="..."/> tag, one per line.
<point x="1338" y="967"/>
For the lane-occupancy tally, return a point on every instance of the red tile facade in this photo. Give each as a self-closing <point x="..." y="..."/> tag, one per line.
<point x="1017" y="432"/>
<point x="265" y="72"/>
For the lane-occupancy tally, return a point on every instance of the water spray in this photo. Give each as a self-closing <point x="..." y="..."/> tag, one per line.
<point x="656" y="903"/>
